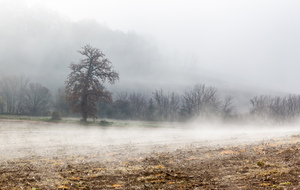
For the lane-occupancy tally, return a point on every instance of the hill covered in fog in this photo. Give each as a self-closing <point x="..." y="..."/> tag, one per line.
<point x="40" y="44"/>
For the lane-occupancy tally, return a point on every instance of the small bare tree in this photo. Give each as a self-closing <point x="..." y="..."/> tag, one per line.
<point x="122" y="106"/>
<point x="2" y="104"/>
<point x="37" y="99"/>
<point x="12" y="90"/>
<point x="60" y="103"/>
<point x="201" y="101"/>
<point x="167" y="105"/>
<point x="292" y="104"/>
<point x="138" y="105"/>
<point x="277" y="109"/>
<point x="227" y="107"/>
<point x="261" y="107"/>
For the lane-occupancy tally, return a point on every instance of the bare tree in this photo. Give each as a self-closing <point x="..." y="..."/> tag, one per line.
<point x="167" y="105"/>
<point x="84" y="84"/>
<point x="275" y="109"/>
<point x="121" y="106"/>
<point x="12" y="88"/>
<point x="260" y="104"/>
<point x="151" y="111"/>
<point x="123" y="96"/>
<point x="37" y="99"/>
<point x="292" y="104"/>
<point x="261" y="107"/>
<point x="2" y="104"/>
<point x="201" y="101"/>
<point x="60" y="102"/>
<point x="138" y="105"/>
<point x="130" y="105"/>
<point x="227" y="107"/>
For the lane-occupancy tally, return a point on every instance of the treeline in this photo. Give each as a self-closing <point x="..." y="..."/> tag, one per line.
<point x="200" y="102"/>
<point x="275" y="109"/>
<point x="19" y="96"/>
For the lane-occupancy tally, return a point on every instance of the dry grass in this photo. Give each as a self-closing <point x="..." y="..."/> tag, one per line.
<point x="273" y="164"/>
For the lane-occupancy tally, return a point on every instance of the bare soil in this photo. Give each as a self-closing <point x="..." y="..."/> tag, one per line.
<point x="192" y="164"/>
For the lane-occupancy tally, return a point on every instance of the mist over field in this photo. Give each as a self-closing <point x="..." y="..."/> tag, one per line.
<point x="21" y="139"/>
<point x="137" y="155"/>
<point x="160" y="94"/>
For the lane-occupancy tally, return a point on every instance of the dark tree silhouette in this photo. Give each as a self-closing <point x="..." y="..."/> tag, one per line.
<point x="84" y="86"/>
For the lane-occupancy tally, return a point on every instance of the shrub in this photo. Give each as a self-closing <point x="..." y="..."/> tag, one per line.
<point x="105" y="123"/>
<point x="56" y="115"/>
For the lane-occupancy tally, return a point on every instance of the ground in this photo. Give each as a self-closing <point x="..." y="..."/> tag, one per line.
<point x="232" y="163"/>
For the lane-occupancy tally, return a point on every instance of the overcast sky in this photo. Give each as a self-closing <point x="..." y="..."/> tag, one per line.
<point x="255" y="41"/>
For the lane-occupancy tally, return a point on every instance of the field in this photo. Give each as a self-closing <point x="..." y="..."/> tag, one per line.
<point x="136" y="155"/>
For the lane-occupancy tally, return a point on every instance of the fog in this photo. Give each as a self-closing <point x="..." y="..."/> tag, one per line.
<point x="22" y="139"/>
<point x="179" y="60"/>
<point x="254" y="42"/>
<point x="235" y="45"/>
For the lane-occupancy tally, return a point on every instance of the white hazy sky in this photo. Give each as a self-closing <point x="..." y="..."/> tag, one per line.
<point x="257" y="41"/>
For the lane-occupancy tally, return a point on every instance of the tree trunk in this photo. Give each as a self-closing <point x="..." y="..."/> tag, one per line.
<point x="84" y="118"/>
<point x="84" y="104"/>
<point x="84" y="108"/>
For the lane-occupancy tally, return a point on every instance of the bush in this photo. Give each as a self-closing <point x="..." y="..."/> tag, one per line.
<point x="56" y="115"/>
<point x="105" y="123"/>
